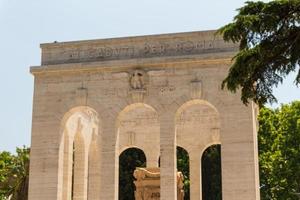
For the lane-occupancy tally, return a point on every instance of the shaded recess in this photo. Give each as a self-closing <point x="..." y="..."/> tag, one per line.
<point x="128" y="161"/>
<point x="211" y="173"/>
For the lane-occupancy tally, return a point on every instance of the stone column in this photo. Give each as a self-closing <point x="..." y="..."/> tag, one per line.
<point x="44" y="175"/>
<point x="168" y="157"/>
<point x="44" y="157"/>
<point x="152" y="159"/>
<point x="67" y="167"/>
<point x="109" y="161"/>
<point x="80" y="169"/>
<point x="240" y="177"/>
<point x="94" y="172"/>
<point x="195" y="176"/>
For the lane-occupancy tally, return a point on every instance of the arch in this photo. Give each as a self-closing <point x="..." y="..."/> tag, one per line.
<point x="131" y="107"/>
<point x="197" y="124"/>
<point x="78" y="126"/>
<point x="209" y="145"/>
<point x="129" y="159"/>
<point x="211" y="173"/>
<point x="129" y="147"/>
<point x="86" y="110"/>
<point x="193" y="102"/>
<point x="135" y="124"/>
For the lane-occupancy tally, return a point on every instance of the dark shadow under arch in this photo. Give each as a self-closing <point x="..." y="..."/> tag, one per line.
<point x="128" y="161"/>
<point x="211" y="173"/>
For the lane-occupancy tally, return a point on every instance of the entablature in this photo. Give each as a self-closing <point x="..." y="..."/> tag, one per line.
<point x="140" y="47"/>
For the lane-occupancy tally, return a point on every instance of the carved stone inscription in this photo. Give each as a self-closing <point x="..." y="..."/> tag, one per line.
<point x="148" y="49"/>
<point x="101" y="52"/>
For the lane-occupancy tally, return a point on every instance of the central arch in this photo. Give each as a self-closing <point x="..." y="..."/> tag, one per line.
<point x="137" y="123"/>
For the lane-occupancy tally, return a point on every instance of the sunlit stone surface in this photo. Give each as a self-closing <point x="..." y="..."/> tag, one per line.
<point x="94" y="99"/>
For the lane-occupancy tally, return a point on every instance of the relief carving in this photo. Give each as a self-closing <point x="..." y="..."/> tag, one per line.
<point x="167" y="89"/>
<point x="138" y="84"/>
<point x="137" y="79"/>
<point x="196" y="89"/>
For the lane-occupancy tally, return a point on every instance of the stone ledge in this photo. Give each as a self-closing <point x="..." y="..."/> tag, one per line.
<point x="123" y="65"/>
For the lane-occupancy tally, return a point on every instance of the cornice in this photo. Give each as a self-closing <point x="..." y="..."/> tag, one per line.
<point x="205" y="60"/>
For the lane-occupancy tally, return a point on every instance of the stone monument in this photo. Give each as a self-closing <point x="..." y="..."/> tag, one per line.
<point x="94" y="99"/>
<point x="148" y="184"/>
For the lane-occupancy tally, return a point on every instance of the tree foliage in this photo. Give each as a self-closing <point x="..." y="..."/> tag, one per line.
<point x="279" y="152"/>
<point x="128" y="161"/>
<point x="183" y="166"/>
<point x="269" y="38"/>
<point x="14" y="174"/>
<point x="211" y="173"/>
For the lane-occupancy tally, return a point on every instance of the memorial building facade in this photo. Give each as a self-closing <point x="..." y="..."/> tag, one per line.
<point x="94" y="99"/>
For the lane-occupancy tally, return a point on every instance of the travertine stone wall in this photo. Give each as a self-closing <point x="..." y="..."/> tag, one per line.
<point x="139" y="127"/>
<point x="94" y="99"/>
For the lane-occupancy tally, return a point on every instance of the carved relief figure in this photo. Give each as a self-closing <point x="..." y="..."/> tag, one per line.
<point x="137" y="80"/>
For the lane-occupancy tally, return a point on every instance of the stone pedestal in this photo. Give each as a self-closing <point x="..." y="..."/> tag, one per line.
<point x="148" y="184"/>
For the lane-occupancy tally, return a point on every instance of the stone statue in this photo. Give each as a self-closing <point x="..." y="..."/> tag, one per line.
<point x="180" y="191"/>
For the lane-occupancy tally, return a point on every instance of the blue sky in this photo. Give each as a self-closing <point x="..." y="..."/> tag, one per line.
<point x="27" y="23"/>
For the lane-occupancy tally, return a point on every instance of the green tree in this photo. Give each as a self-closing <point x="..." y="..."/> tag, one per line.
<point x="269" y="38"/>
<point x="14" y="174"/>
<point x="128" y="161"/>
<point x="211" y="173"/>
<point x="279" y="152"/>
<point x="184" y="167"/>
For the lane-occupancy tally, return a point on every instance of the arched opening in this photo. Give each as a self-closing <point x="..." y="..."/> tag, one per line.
<point x="129" y="160"/>
<point x="78" y="126"/>
<point x="183" y="166"/>
<point x="137" y="126"/>
<point x="211" y="173"/>
<point x="197" y="124"/>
